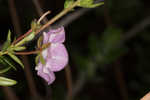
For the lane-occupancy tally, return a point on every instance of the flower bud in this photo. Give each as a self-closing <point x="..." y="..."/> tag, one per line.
<point x="30" y="37"/>
<point x="68" y="3"/>
<point x="89" y="4"/>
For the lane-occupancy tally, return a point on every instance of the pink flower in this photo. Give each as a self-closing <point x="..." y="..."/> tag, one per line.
<point x="56" y="56"/>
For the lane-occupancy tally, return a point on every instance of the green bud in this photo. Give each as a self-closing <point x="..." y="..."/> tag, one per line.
<point x="68" y="3"/>
<point x="30" y="37"/>
<point x="89" y="4"/>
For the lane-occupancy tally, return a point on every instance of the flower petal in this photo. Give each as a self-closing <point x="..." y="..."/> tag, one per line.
<point x="58" y="58"/>
<point x="57" y="35"/>
<point x="45" y="53"/>
<point x="45" y="73"/>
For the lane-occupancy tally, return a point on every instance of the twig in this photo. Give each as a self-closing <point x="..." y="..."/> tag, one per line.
<point x="120" y="80"/>
<point x="65" y="11"/>
<point x="69" y="18"/>
<point x="69" y="82"/>
<point x="39" y="10"/>
<point x="9" y="93"/>
<point x="79" y="84"/>
<point x="137" y="28"/>
<point x="27" y="53"/>
<point x="21" y="37"/>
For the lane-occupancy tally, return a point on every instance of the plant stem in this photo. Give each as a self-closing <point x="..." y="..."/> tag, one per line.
<point x="27" y="53"/>
<point x="21" y="37"/>
<point x="65" y="11"/>
<point x="3" y="53"/>
<point x="69" y="82"/>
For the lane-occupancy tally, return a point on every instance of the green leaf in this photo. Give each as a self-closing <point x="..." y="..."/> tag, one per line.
<point x="8" y="42"/>
<point x="30" y="37"/>
<point x="39" y="42"/>
<point x="42" y="59"/>
<point x="6" y="81"/>
<point x="37" y="59"/>
<point x="89" y="4"/>
<point x="15" y="58"/>
<point x="6" y="62"/>
<point x="4" y="70"/>
<point x="21" y="48"/>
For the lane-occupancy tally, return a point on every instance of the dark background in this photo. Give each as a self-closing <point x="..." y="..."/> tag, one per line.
<point x="108" y="50"/>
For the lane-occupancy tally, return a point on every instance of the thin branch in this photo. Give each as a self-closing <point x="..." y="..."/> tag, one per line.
<point x="72" y="16"/>
<point x="120" y="80"/>
<point x="9" y="93"/>
<point x="137" y="28"/>
<point x="69" y="82"/>
<point x="27" y="53"/>
<point x="39" y="10"/>
<point x="65" y="11"/>
<point x="79" y="84"/>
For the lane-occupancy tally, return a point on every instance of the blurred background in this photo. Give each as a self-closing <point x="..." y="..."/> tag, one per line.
<point x="108" y="50"/>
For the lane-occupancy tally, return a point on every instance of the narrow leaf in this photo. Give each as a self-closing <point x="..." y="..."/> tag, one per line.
<point x="39" y="41"/>
<point x="15" y="58"/>
<point x="19" y="48"/>
<point x="42" y="59"/>
<point x="7" y="82"/>
<point x="37" y="59"/>
<point x="5" y="70"/>
<point x="7" y="42"/>
<point x="6" y="62"/>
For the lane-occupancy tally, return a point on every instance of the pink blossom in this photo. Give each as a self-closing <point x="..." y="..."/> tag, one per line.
<point x="56" y="56"/>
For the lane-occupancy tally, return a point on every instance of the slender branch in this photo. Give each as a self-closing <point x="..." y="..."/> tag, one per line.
<point x="9" y="93"/>
<point x="27" y="53"/>
<point x="65" y="11"/>
<point x="69" y="82"/>
<point x="21" y="37"/>
<point x="65" y="21"/>
<point x="39" y="10"/>
<point x="43" y="16"/>
<point x="82" y="79"/>
<point x="137" y="28"/>
<point x="120" y="80"/>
